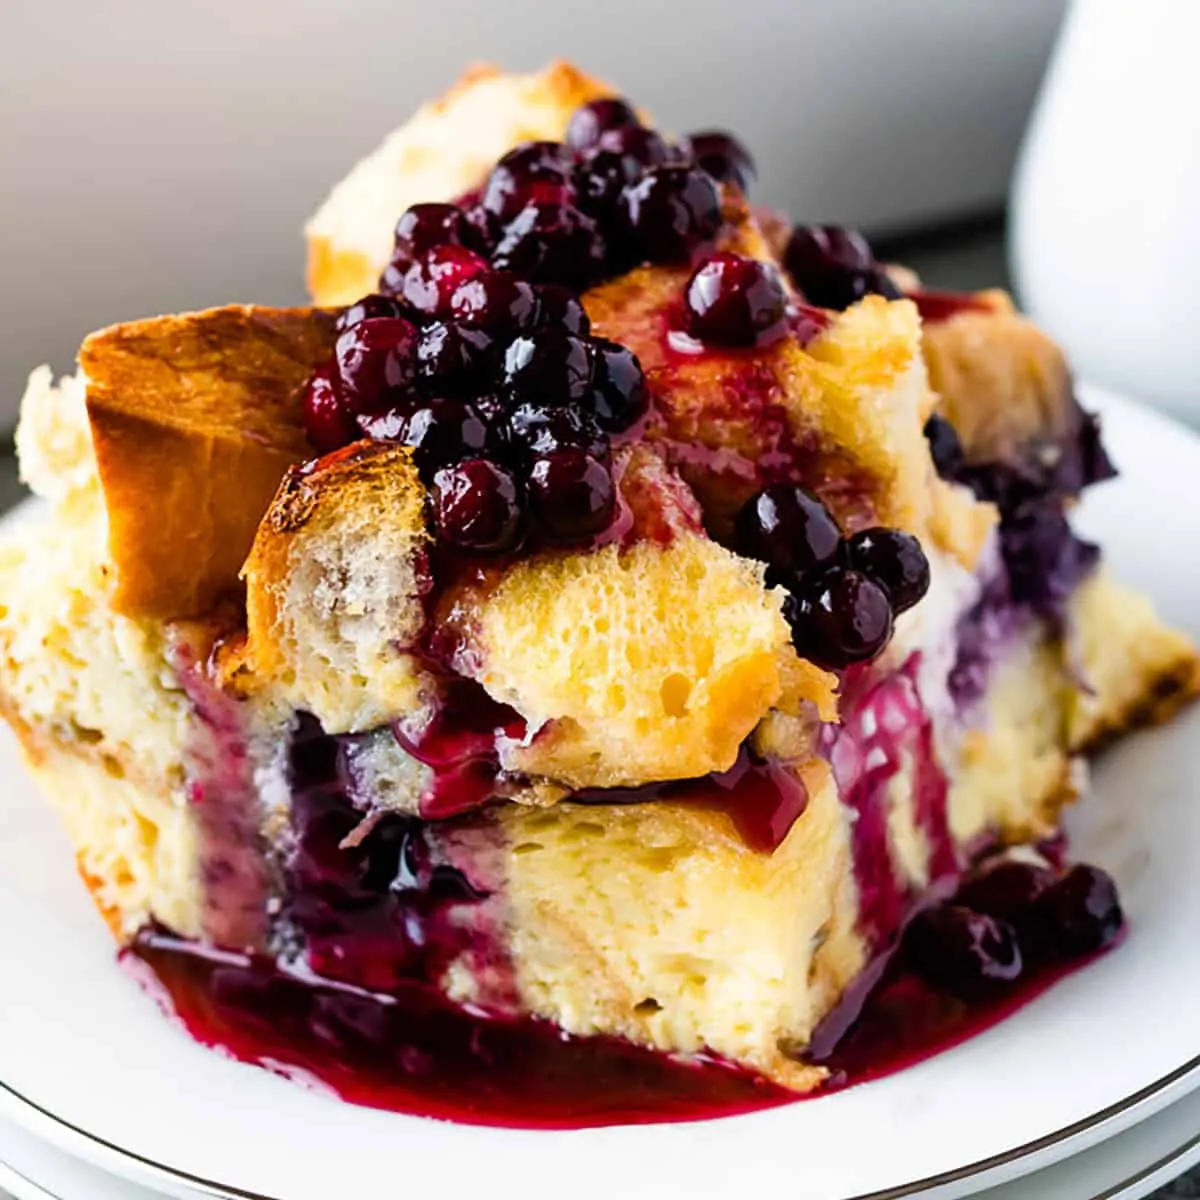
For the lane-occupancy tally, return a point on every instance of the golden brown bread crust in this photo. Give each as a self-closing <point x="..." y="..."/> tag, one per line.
<point x="443" y="151"/>
<point x="194" y="419"/>
<point x="1002" y="382"/>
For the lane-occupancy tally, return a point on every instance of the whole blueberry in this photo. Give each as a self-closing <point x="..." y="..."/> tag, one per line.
<point x="534" y="171"/>
<point x="551" y="366"/>
<point x="539" y="429"/>
<point x="572" y="495"/>
<point x="590" y="120"/>
<point x="453" y="359"/>
<point x="838" y="618"/>
<point x="944" y="446"/>
<point x="552" y="242"/>
<point x="375" y="363"/>
<point x="733" y="301"/>
<point x="1081" y="912"/>
<point x="670" y="212"/>
<point x="477" y="507"/>
<point x="721" y="155"/>
<point x="619" y="396"/>
<point x="327" y="422"/>
<point x="895" y="560"/>
<point x="788" y="528"/>
<point x="965" y="953"/>
<point x="369" y="307"/>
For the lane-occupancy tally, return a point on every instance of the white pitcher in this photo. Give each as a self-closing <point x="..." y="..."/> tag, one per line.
<point x="1106" y="199"/>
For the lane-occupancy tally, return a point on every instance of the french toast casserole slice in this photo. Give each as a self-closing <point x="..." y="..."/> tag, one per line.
<point x="626" y="614"/>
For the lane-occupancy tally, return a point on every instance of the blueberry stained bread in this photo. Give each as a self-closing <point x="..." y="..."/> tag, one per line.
<point x="612" y="613"/>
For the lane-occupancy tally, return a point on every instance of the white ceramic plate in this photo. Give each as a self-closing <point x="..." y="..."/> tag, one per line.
<point x="1126" y="1167"/>
<point x="86" y="1061"/>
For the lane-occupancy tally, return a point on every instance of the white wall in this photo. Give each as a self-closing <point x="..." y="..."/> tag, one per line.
<point x="159" y="155"/>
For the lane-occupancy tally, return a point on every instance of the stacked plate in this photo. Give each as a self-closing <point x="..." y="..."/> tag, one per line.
<point x="1089" y="1091"/>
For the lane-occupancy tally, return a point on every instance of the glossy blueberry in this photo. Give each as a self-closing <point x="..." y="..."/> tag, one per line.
<point x="572" y="496"/>
<point x="733" y="301"/>
<point x="548" y="242"/>
<point x="453" y="359"/>
<point x="721" y="155"/>
<point x="1081" y="912"/>
<point x="834" y="267"/>
<point x="839" y="618"/>
<point x="327" y="422"/>
<point x="552" y="367"/>
<point x="375" y="363"/>
<point x="496" y="301"/>
<point x="425" y="226"/>
<point x="532" y="172"/>
<point x="558" y="306"/>
<point x="477" y="507"/>
<point x="670" y="212"/>
<point x="444" y="431"/>
<point x="429" y="284"/>
<point x="967" y="953"/>
<point x="369" y="307"/>
<point x="619" y="396"/>
<point x="590" y="120"/>
<point x="895" y="560"/>
<point x="789" y="529"/>
<point x="539" y="429"/>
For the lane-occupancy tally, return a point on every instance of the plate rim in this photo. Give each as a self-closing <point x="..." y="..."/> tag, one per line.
<point x="1026" y="1158"/>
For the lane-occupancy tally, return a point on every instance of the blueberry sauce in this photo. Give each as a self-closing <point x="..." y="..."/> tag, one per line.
<point x="886" y="728"/>
<point x="413" y="1052"/>
<point x="461" y="743"/>
<point x="222" y="793"/>
<point x="935" y="307"/>
<point x="762" y="798"/>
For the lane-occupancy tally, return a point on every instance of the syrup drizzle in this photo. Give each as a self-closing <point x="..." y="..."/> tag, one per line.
<point x="761" y="797"/>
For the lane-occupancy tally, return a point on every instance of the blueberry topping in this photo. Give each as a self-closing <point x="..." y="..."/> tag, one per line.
<point x="944" y="446"/>
<point x="619" y="396"/>
<point x="967" y="953"/>
<point x="476" y="507"/>
<point x="839" y="618"/>
<point x="722" y="156"/>
<point x="590" y="120"/>
<point x="368" y="308"/>
<point x="553" y="367"/>
<point x="1007" y="889"/>
<point x="452" y="359"/>
<point x="425" y="226"/>
<point x="535" y="171"/>
<point x="557" y="306"/>
<point x="571" y="495"/>
<point x="327" y="422"/>
<point x="428" y="284"/>
<point x="671" y="211"/>
<point x="789" y="529"/>
<point x="549" y="242"/>
<point x="375" y="363"/>
<point x="733" y="301"/>
<point x="894" y="559"/>
<point x="1081" y="911"/>
<point x="498" y="302"/>
<point x="539" y="429"/>
<point x="834" y="267"/>
<point x="444" y="431"/>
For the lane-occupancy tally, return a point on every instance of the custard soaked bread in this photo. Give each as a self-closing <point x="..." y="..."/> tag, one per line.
<point x="605" y="609"/>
